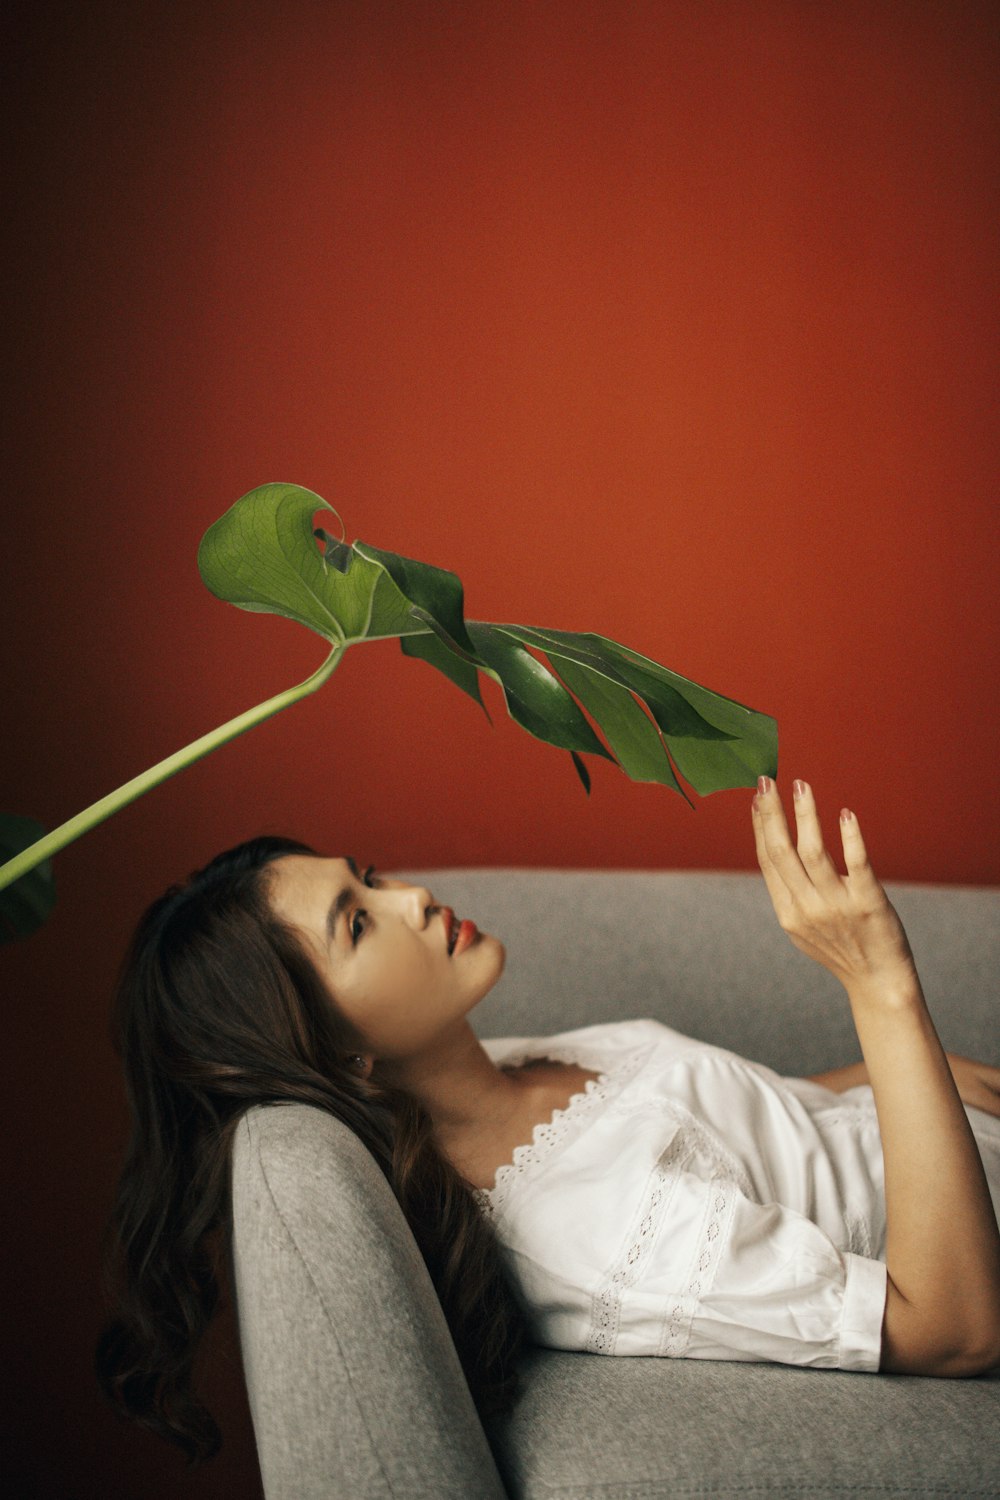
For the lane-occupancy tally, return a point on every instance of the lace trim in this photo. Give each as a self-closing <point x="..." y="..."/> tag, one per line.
<point x="691" y="1138"/>
<point x="858" y="1238"/>
<point x="605" y="1307"/>
<point x="681" y="1310"/>
<point x="565" y="1123"/>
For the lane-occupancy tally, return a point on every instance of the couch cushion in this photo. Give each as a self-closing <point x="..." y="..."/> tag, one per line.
<point x="639" y="1427"/>
<point x="354" y="1384"/>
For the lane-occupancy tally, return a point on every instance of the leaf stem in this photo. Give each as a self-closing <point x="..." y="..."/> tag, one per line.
<point x="114" y="801"/>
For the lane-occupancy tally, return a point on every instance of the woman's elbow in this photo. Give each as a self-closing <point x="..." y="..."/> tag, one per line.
<point x="961" y="1366"/>
<point x="911" y="1347"/>
<point x="964" y="1366"/>
<point x="980" y="1361"/>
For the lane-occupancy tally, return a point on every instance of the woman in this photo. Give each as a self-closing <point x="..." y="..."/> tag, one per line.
<point x="276" y="974"/>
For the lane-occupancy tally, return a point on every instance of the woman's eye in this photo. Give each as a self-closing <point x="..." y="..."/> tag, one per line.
<point x="369" y="877"/>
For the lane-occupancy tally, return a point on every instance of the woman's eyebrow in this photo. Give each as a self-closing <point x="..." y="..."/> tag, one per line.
<point x="340" y="901"/>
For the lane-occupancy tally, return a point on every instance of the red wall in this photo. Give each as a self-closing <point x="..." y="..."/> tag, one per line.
<point x="674" y="322"/>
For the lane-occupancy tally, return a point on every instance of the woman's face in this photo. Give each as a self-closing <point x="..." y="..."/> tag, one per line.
<point x="382" y="950"/>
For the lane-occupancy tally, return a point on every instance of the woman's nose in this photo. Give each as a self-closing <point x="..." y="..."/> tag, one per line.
<point x="420" y="903"/>
<point x="419" y="898"/>
<point x="425" y="904"/>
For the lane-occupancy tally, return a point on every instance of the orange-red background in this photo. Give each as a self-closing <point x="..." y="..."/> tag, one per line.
<point x="675" y="322"/>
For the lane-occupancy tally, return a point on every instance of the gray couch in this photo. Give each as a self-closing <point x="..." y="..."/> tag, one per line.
<point x="354" y="1385"/>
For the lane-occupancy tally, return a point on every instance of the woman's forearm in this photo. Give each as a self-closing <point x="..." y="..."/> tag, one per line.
<point x="942" y="1237"/>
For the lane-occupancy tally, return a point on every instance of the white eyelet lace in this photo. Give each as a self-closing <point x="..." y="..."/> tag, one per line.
<point x="690" y="1138"/>
<point x="566" y="1123"/>
<point x="605" y="1308"/>
<point x="719" y="1205"/>
<point x="858" y="1238"/>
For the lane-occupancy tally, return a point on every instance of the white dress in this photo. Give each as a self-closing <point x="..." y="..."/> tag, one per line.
<point x="691" y="1203"/>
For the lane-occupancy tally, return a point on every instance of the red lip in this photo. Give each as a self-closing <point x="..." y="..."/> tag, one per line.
<point x="448" y="917"/>
<point x="471" y="931"/>
<point x="468" y="933"/>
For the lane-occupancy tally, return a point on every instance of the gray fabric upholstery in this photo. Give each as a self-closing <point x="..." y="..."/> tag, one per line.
<point x="355" y="1388"/>
<point x="354" y="1383"/>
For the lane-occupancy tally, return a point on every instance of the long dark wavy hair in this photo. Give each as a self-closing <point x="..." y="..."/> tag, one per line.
<point x="218" y="1007"/>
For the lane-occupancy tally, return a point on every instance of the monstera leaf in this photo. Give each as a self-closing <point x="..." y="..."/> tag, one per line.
<point x="264" y="555"/>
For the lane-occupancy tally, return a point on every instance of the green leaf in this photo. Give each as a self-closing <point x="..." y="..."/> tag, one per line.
<point x="25" y="904"/>
<point x="716" y="742"/>
<point x="262" y="555"/>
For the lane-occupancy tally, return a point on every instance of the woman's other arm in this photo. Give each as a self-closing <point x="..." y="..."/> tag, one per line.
<point x="839" y="1079"/>
<point x="977" y="1083"/>
<point x="942" y="1313"/>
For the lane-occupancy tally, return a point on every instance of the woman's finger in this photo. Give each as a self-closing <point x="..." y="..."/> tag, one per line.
<point x="778" y="843"/>
<point x="777" y="889"/>
<point x="861" y="877"/>
<point x="811" y="850"/>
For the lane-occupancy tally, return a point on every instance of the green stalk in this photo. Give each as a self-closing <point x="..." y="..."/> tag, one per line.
<point x="114" y="801"/>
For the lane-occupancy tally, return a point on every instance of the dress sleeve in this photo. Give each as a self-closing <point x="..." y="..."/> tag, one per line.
<point x="758" y="1281"/>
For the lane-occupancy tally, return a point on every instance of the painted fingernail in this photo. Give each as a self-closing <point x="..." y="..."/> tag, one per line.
<point x="799" y="788"/>
<point x="763" y="785"/>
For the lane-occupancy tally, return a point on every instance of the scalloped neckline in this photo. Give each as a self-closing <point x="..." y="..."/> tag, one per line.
<point x="548" y="1133"/>
<point x="542" y="1130"/>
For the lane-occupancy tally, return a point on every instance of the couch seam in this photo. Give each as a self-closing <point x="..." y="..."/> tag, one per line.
<point x="642" y="1492"/>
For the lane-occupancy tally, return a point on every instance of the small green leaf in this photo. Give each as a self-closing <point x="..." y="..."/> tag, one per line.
<point x="25" y="904"/>
<point x="582" y="771"/>
<point x="336" y="554"/>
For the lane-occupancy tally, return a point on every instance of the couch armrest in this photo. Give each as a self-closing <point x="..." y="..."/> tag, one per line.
<point x="354" y="1384"/>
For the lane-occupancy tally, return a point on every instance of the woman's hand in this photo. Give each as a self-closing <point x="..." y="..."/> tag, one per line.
<point x="844" y="922"/>
<point x="978" y="1083"/>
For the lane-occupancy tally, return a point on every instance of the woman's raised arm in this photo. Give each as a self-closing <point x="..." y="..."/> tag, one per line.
<point x="942" y="1313"/>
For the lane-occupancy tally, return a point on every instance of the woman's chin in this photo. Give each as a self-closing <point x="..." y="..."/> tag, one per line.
<point x="488" y="941"/>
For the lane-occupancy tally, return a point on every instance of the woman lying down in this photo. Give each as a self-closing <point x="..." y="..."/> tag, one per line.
<point x="620" y="1189"/>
